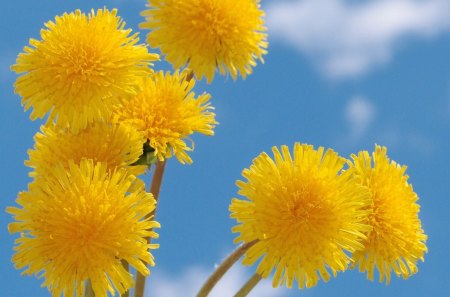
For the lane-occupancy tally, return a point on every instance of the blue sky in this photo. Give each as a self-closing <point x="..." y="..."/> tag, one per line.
<point x="339" y="74"/>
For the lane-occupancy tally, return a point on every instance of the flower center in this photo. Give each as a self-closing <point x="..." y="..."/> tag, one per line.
<point x="212" y="21"/>
<point x="84" y="61"/>
<point x="302" y="205"/>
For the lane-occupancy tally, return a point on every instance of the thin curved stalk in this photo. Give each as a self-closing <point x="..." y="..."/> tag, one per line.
<point x="154" y="189"/>
<point x="249" y="285"/>
<point x="223" y="268"/>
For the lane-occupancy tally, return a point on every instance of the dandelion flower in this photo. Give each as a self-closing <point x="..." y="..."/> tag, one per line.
<point x="397" y="240"/>
<point x="166" y="112"/>
<point x="206" y="35"/>
<point x="303" y="213"/>
<point x="77" y="224"/>
<point x="115" y="145"/>
<point x="80" y="67"/>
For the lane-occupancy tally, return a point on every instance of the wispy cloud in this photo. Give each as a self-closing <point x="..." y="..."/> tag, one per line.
<point x="347" y="39"/>
<point x="359" y="114"/>
<point x="413" y="141"/>
<point x="191" y="279"/>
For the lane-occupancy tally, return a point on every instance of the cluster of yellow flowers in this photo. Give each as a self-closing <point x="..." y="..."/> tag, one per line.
<point x="110" y="116"/>
<point x="308" y="216"/>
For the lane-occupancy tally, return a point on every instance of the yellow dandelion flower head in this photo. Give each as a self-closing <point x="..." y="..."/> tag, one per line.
<point x="397" y="240"/>
<point x="167" y="112"/>
<point x="303" y="214"/>
<point x="80" y="66"/>
<point x="206" y="35"/>
<point x="115" y="145"/>
<point x="78" y="224"/>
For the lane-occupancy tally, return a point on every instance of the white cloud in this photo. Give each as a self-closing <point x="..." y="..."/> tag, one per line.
<point x="359" y="113"/>
<point x="348" y="39"/>
<point x="191" y="279"/>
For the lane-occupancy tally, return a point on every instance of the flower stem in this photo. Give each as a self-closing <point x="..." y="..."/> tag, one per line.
<point x="223" y="268"/>
<point x="249" y="285"/>
<point x="88" y="291"/>
<point x="154" y="189"/>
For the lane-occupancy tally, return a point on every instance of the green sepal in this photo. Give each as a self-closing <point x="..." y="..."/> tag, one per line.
<point x="148" y="156"/>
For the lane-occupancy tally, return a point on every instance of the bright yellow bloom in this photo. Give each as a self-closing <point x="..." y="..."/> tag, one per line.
<point x="206" y="35"/>
<point x="115" y="145"/>
<point x="80" y="67"/>
<point x="397" y="240"/>
<point x="78" y="224"/>
<point x="303" y="213"/>
<point x="166" y="112"/>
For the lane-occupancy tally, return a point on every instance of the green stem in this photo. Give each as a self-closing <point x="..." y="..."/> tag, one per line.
<point x="154" y="189"/>
<point x="249" y="285"/>
<point x="223" y="268"/>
